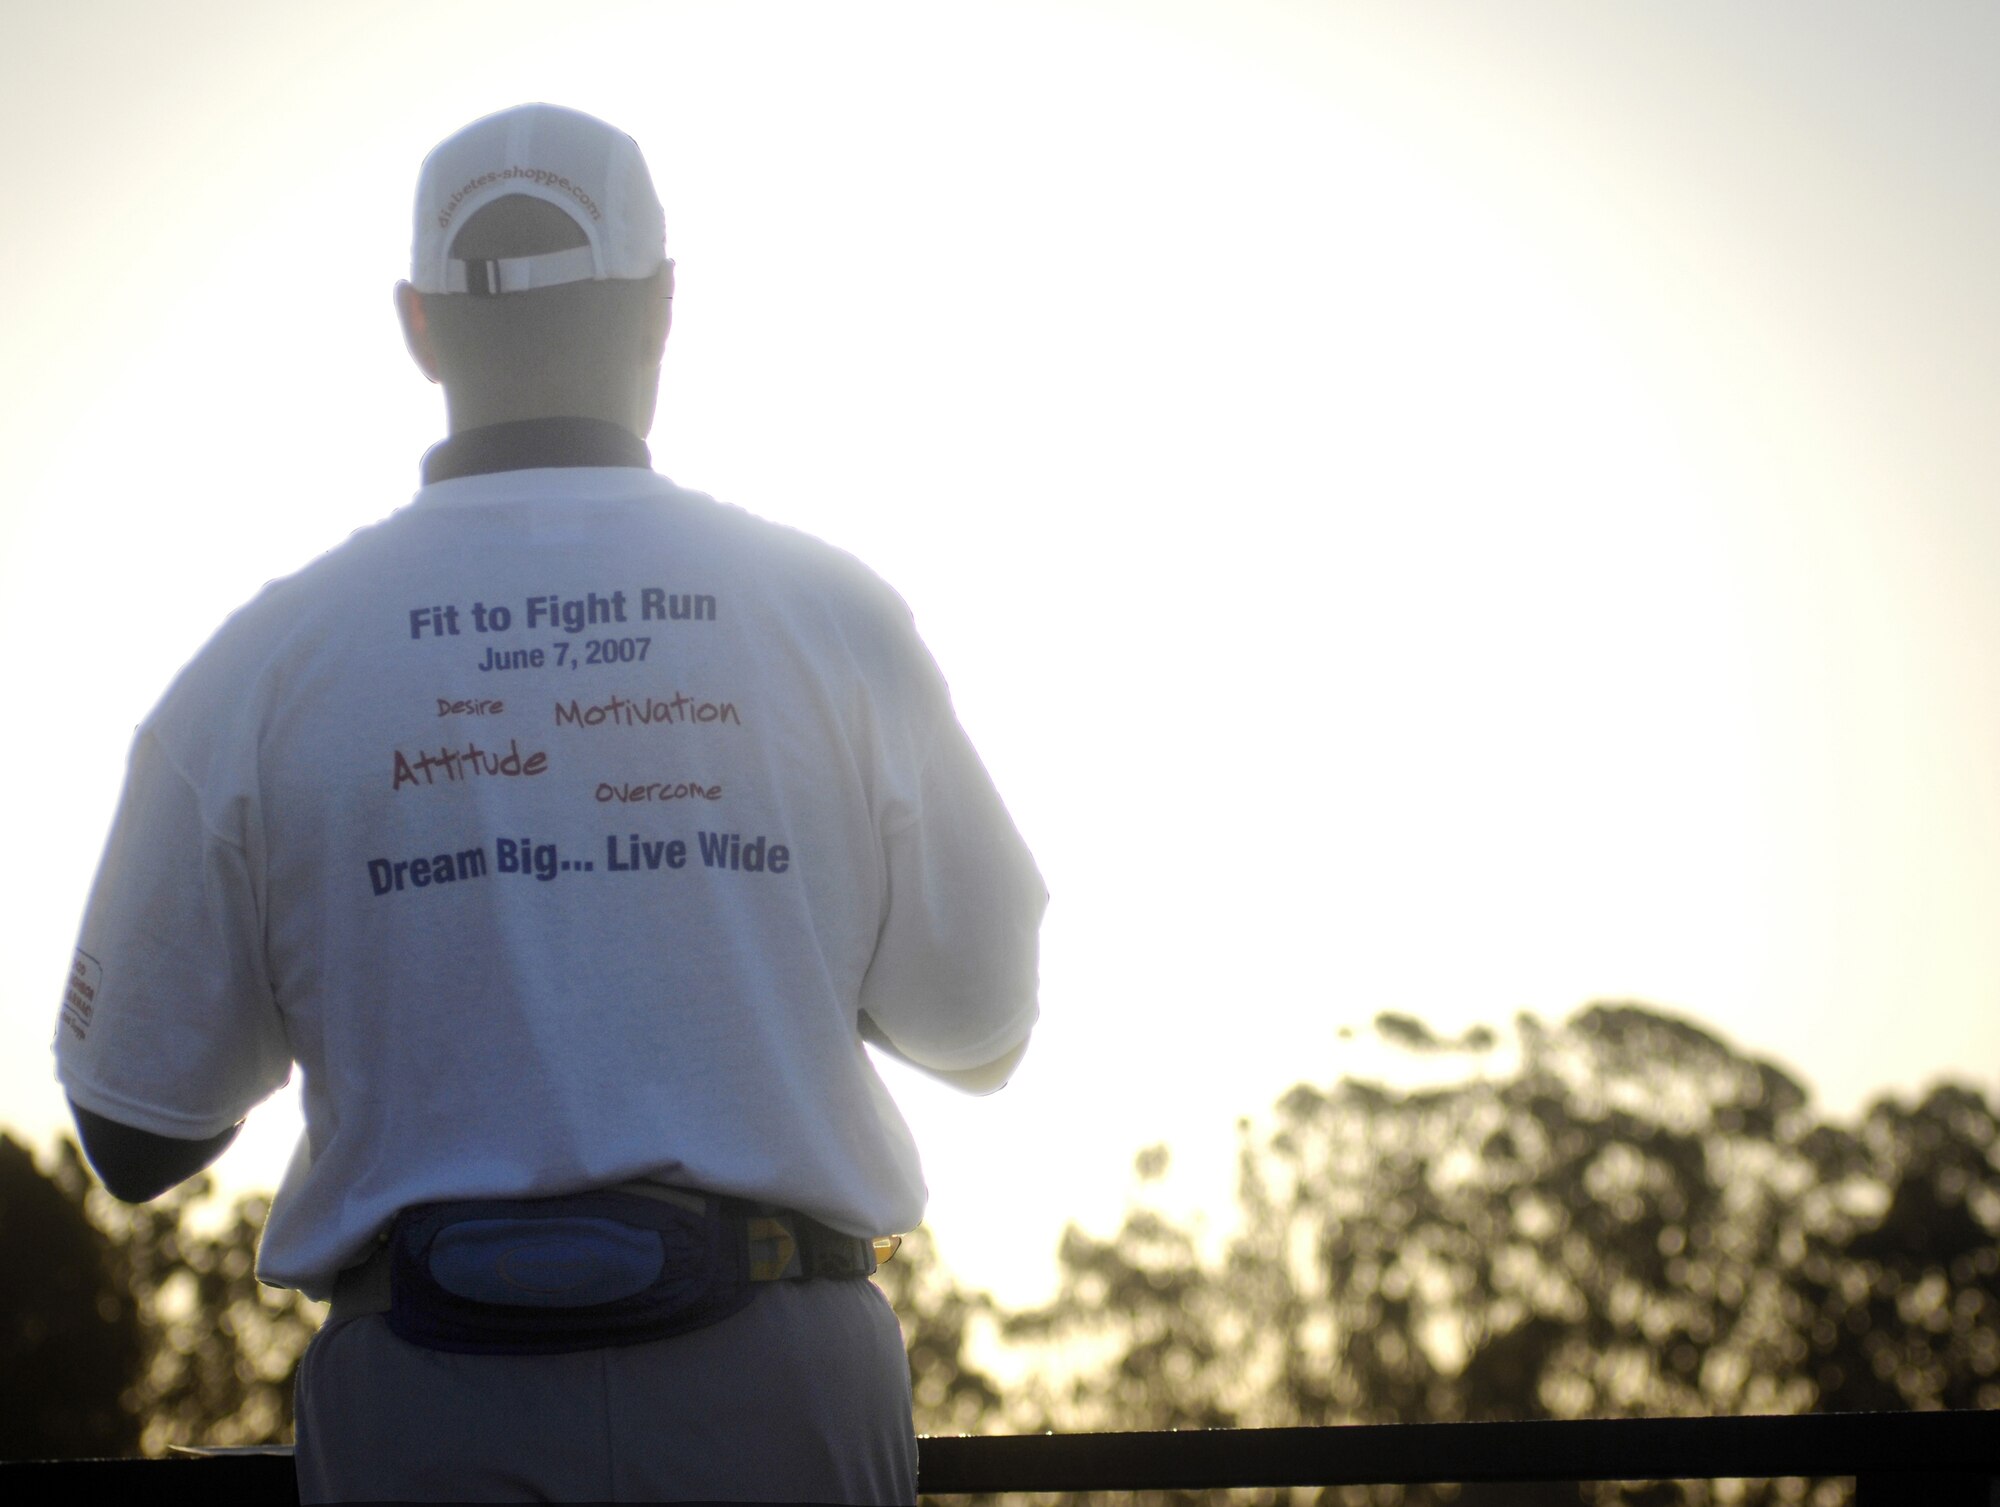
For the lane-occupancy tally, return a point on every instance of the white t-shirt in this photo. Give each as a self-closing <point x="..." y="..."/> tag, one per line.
<point x="559" y="827"/>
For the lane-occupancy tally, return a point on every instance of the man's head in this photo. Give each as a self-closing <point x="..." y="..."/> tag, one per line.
<point x="539" y="283"/>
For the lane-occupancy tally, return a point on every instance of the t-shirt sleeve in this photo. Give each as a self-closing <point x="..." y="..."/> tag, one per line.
<point x="954" y="978"/>
<point x="168" y="1022"/>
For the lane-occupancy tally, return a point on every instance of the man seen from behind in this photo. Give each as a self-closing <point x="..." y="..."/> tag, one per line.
<point x="571" y="832"/>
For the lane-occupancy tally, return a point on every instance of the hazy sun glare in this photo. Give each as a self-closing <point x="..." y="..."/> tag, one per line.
<point x="1421" y="510"/>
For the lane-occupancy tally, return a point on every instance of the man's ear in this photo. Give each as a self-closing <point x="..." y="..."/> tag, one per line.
<point x="416" y="330"/>
<point x="660" y="313"/>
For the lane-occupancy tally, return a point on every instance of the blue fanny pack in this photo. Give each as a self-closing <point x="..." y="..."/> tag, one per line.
<point x="540" y="1276"/>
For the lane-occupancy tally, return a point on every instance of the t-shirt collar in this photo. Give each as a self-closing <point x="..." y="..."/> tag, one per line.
<point x="532" y="444"/>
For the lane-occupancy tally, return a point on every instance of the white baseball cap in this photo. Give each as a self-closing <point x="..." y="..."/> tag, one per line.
<point x="592" y="172"/>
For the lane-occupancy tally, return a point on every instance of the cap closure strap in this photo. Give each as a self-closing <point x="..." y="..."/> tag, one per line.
<point x="518" y="274"/>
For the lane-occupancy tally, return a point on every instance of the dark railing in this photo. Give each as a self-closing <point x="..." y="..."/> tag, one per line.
<point x="1895" y="1459"/>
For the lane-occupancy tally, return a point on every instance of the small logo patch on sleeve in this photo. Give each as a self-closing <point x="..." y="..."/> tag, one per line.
<point x="86" y="975"/>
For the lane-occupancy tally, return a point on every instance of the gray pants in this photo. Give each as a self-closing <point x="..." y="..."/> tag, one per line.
<point x="802" y="1396"/>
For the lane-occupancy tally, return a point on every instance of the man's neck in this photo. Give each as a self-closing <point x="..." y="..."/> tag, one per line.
<point x="534" y="444"/>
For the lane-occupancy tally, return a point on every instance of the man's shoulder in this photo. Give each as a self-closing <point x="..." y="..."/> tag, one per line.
<point x="798" y="562"/>
<point x="286" y="605"/>
<point x="230" y="672"/>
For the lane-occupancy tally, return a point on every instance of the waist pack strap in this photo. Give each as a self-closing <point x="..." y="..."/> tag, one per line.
<point x="363" y="1288"/>
<point x="783" y="1246"/>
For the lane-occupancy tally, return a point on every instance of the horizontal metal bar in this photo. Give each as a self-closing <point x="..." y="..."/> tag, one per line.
<point x="234" y="1481"/>
<point x="1611" y="1449"/>
<point x="1898" y="1459"/>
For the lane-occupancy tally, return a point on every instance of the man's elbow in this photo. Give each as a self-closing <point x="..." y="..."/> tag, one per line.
<point x="129" y="1180"/>
<point x="988" y="1078"/>
<point x="137" y="1166"/>
<point x="128" y="1189"/>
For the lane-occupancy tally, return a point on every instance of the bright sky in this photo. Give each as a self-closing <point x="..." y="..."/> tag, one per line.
<point x="1452" y="509"/>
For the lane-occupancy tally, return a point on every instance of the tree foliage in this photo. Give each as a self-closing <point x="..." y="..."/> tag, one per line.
<point x="223" y="1350"/>
<point x="943" y="1323"/>
<point x="1620" y="1216"/>
<point x="129" y="1329"/>
<point x="70" y="1338"/>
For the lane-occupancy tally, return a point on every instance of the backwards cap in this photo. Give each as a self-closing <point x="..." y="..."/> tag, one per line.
<point x="592" y="172"/>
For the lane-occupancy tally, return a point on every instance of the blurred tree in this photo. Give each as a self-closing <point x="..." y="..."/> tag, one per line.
<point x="222" y="1348"/>
<point x="132" y="1328"/>
<point x="71" y="1347"/>
<point x="1141" y="1334"/>
<point x="941" y="1322"/>
<point x="1899" y="1286"/>
<point x="1621" y="1216"/>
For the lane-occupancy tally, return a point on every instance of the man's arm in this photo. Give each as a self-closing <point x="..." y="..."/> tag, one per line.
<point x="136" y="1165"/>
<point x="987" y="1078"/>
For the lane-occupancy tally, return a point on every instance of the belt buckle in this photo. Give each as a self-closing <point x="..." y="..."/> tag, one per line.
<point x="774" y="1249"/>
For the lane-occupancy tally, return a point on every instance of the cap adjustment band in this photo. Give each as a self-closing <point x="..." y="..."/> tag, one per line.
<point x="519" y="274"/>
